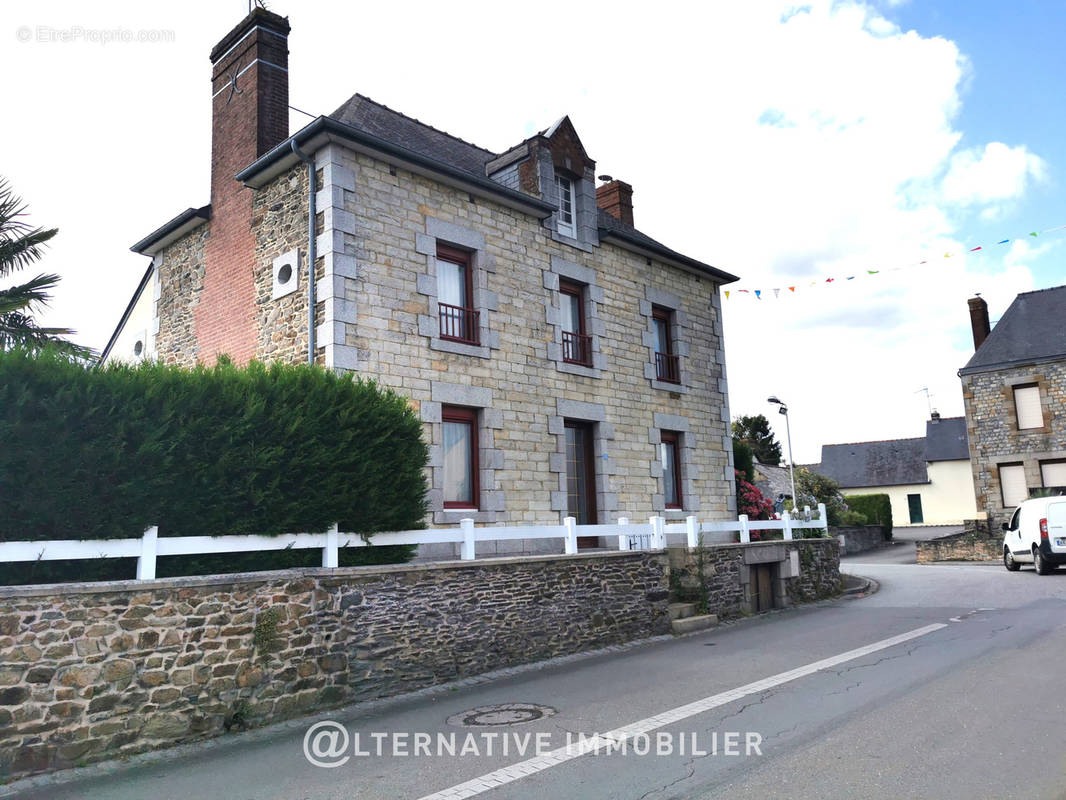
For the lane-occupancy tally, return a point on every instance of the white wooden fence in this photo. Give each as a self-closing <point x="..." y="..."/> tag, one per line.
<point x="631" y="536"/>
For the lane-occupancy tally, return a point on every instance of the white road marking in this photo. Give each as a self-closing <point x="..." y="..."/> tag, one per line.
<point x="561" y="755"/>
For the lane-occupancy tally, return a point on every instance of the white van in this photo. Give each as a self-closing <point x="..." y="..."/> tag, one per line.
<point x="1036" y="534"/>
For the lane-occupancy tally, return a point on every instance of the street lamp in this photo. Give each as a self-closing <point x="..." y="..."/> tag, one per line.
<point x="791" y="466"/>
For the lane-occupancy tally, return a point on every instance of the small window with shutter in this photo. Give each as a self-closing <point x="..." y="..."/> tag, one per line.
<point x="1027" y="405"/>
<point x="1012" y="484"/>
<point x="1053" y="474"/>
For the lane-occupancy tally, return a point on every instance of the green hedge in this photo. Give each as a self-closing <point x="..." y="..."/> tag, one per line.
<point x="877" y="508"/>
<point x="104" y="453"/>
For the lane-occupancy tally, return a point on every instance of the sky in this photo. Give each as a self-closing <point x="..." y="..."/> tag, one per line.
<point x="783" y="142"/>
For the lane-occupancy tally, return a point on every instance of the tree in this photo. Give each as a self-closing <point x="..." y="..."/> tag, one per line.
<point x="742" y="459"/>
<point x="755" y="432"/>
<point x="21" y="244"/>
<point x="813" y="488"/>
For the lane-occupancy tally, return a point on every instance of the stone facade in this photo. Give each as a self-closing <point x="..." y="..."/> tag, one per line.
<point x="91" y="671"/>
<point x="387" y="339"/>
<point x="279" y="224"/>
<point x="377" y="236"/>
<point x="995" y="439"/>
<point x="802" y="570"/>
<point x="181" y="280"/>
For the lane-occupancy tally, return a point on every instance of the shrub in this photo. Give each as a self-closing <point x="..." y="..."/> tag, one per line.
<point x="851" y="517"/>
<point x="876" y="507"/>
<point x="813" y="488"/>
<point x="105" y="453"/>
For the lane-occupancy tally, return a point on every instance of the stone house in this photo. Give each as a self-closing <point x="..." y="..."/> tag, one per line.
<point x="562" y="361"/>
<point x="1014" y="390"/>
<point x="927" y="479"/>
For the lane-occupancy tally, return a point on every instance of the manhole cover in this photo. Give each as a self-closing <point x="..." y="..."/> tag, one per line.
<point x="502" y="714"/>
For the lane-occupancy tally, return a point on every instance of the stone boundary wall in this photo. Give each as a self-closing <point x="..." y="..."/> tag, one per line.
<point x="97" y="671"/>
<point x="814" y="573"/>
<point x="858" y="538"/>
<point x="969" y="545"/>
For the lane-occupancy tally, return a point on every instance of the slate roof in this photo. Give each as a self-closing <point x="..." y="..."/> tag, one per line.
<point x="772" y="480"/>
<point x="893" y="462"/>
<point x="1030" y="330"/>
<point x="378" y="120"/>
<point x="946" y="440"/>
<point x="887" y="463"/>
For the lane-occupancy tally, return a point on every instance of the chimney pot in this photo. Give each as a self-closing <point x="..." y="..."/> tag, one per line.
<point x="979" y="320"/>
<point x="616" y="198"/>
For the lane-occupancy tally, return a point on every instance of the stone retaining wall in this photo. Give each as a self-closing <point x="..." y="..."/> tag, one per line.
<point x="965" y="546"/>
<point x="859" y="538"/>
<point x="92" y="671"/>
<point x="813" y="574"/>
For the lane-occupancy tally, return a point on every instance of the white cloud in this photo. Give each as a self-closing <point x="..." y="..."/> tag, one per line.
<point x="992" y="174"/>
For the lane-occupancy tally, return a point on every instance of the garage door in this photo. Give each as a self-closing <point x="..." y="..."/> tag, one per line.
<point x="1053" y="473"/>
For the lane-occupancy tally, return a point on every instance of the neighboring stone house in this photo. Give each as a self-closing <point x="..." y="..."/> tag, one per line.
<point x="563" y="362"/>
<point x="1014" y="389"/>
<point x="927" y="479"/>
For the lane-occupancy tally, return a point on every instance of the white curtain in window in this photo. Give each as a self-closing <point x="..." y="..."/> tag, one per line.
<point x="451" y="284"/>
<point x="571" y="311"/>
<point x="457" y="463"/>
<point x="662" y="336"/>
<point x="1012" y="481"/>
<point x="669" y="473"/>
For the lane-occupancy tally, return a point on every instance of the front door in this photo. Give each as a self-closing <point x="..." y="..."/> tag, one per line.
<point x="762" y="580"/>
<point x="914" y="506"/>
<point x="581" y="478"/>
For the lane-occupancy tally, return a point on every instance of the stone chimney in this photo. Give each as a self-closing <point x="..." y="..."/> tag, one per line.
<point x="978" y="320"/>
<point x="616" y="198"/>
<point x="249" y="116"/>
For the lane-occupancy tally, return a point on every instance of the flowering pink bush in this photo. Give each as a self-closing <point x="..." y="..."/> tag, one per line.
<point x="750" y="501"/>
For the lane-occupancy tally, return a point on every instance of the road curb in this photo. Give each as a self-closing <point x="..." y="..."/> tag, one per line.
<point x="858" y="586"/>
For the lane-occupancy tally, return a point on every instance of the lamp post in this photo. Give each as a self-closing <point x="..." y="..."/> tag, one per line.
<point x="788" y="432"/>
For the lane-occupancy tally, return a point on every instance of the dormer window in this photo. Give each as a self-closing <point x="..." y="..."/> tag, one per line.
<point x="565" y="190"/>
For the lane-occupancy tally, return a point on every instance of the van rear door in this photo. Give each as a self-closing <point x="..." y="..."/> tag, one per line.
<point x="1056" y="525"/>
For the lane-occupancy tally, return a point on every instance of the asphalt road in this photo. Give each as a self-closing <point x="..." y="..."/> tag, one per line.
<point x="946" y="683"/>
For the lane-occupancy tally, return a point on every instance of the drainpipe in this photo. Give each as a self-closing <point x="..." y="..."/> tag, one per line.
<point x="312" y="190"/>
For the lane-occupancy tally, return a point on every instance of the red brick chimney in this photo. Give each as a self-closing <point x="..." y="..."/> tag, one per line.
<point x="979" y="320"/>
<point x="616" y="198"/>
<point x="249" y="116"/>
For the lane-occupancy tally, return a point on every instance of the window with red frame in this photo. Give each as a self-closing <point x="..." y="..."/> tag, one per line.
<point x="670" y="454"/>
<point x="455" y="293"/>
<point x="577" y="345"/>
<point x="459" y="443"/>
<point x="667" y="368"/>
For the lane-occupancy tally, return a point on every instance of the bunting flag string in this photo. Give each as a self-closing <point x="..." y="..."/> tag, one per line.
<point x="979" y="250"/>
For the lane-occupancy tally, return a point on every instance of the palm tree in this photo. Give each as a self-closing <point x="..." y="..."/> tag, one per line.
<point x="21" y="245"/>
